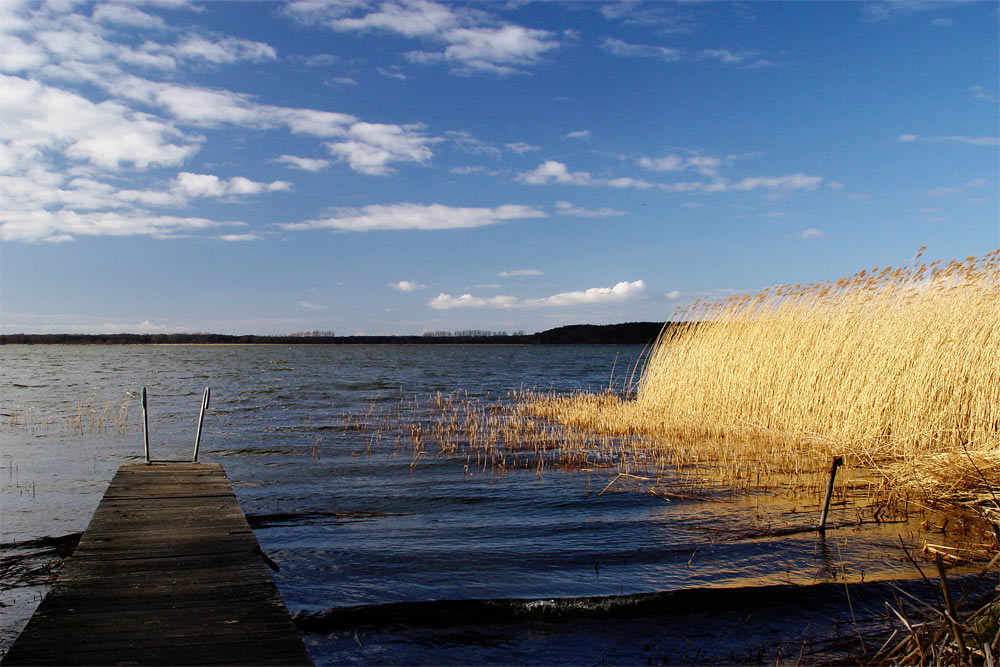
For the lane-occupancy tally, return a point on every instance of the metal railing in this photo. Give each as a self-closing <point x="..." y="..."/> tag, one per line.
<point x="197" y="437"/>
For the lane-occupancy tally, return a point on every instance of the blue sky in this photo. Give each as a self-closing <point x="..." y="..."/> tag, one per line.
<point x="399" y="167"/>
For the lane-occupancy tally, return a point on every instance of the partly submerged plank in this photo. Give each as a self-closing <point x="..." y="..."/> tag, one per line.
<point x="167" y="572"/>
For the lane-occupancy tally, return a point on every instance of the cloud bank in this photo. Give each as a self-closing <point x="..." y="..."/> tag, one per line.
<point x="621" y="292"/>
<point x="410" y="216"/>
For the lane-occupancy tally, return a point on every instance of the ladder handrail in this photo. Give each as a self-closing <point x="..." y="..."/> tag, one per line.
<point x="145" y="426"/>
<point x="201" y="418"/>
<point x="197" y="437"/>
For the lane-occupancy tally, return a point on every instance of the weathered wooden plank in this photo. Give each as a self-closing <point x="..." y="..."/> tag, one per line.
<point x="266" y="652"/>
<point x="168" y="572"/>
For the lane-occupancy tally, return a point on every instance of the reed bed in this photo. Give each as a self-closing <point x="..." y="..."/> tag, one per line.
<point x="895" y="369"/>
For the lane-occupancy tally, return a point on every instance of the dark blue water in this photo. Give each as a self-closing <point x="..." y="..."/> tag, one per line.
<point x="357" y="521"/>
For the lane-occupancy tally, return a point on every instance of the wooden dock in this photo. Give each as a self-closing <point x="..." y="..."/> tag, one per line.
<point x="167" y="573"/>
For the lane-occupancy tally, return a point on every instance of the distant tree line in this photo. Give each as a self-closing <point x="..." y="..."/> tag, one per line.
<point x="628" y="333"/>
<point x="469" y="333"/>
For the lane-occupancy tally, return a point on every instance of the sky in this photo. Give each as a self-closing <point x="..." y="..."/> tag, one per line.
<point x="401" y="167"/>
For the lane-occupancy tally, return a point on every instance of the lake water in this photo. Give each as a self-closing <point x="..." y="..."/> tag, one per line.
<point x="387" y="559"/>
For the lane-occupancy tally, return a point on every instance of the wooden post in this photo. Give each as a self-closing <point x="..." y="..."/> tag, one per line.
<point x="949" y="606"/>
<point x="145" y="427"/>
<point x="837" y="462"/>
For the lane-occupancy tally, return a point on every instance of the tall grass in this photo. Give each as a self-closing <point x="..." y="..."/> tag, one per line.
<point x="897" y="369"/>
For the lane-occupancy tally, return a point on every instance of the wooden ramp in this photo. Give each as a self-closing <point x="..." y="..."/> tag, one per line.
<point x="167" y="573"/>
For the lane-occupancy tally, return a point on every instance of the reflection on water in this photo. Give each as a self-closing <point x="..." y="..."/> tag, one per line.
<point x="355" y="522"/>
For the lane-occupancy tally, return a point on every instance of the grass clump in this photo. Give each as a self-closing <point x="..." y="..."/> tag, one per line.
<point x="895" y="369"/>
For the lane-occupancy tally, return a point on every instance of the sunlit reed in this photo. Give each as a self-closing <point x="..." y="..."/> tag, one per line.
<point x="896" y="369"/>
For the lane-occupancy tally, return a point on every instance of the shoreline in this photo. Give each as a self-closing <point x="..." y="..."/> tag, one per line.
<point x="627" y="333"/>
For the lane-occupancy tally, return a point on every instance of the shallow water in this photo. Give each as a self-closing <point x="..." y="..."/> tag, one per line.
<point x="352" y="527"/>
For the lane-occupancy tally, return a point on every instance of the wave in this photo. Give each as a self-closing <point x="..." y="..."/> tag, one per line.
<point x="864" y="598"/>
<point x="309" y="518"/>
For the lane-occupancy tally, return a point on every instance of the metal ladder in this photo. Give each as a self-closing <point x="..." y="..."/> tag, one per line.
<point x="197" y="438"/>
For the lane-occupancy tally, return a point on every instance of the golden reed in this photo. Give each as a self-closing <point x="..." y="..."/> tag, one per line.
<point x="898" y="370"/>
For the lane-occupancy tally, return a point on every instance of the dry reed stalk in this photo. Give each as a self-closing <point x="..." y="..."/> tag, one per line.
<point x="943" y="633"/>
<point x="896" y="369"/>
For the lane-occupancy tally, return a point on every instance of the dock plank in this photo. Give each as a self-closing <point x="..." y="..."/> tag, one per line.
<point x="167" y="573"/>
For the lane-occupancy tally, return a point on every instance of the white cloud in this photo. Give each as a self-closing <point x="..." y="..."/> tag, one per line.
<point x="566" y="208"/>
<point x="497" y="49"/>
<point x="791" y="182"/>
<point x="617" y="47"/>
<point x="950" y="190"/>
<point x="392" y="73"/>
<point x="745" y="57"/>
<point x="447" y="302"/>
<point x="520" y="147"/>
<point x="40" y="118"/>
<point x="673" y="295"/>
<point x="520" y="272"/>
<point x="951" y="139"/>
<point x="202" y="106"/>
<point x="622" y="292"/>
<point x="469" y="144"/>
<point x="413" y="19"/>
<point x="210" y="185"/>
<point x="71" y="167"/>
<point x="886" y="10"/>
<point x="18" y="56"/>
<point x="811" y="233"/>
<point x="722" y="55"/>
<point x="465" y="171"/>
<point x="311" y="306"/>
<point x="707" y="165"/>
<point x="665" y="18"/>
<point x="981" y="93"/>
<point x="371" y="147"/>
<point x="729" y="57"/>
<point x="407" y="286"/>
<point x="467" y="39"/>
<point x="579" y="134"/>
<point x="641" y="184"/>
<point x="551" y="171"/>
<point x="224" y="51"/>
<point x="418" y="217"/>
<point x="126" y="15"/>
<point x="37" y="188"/>
<point x="303" y="163"/>
<point x="668" y="163"/>
<point x="236" y="238"/>
<point x="64" y="225"/>
<point x="108" y="36"/>
<point x="208" y="107"/>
